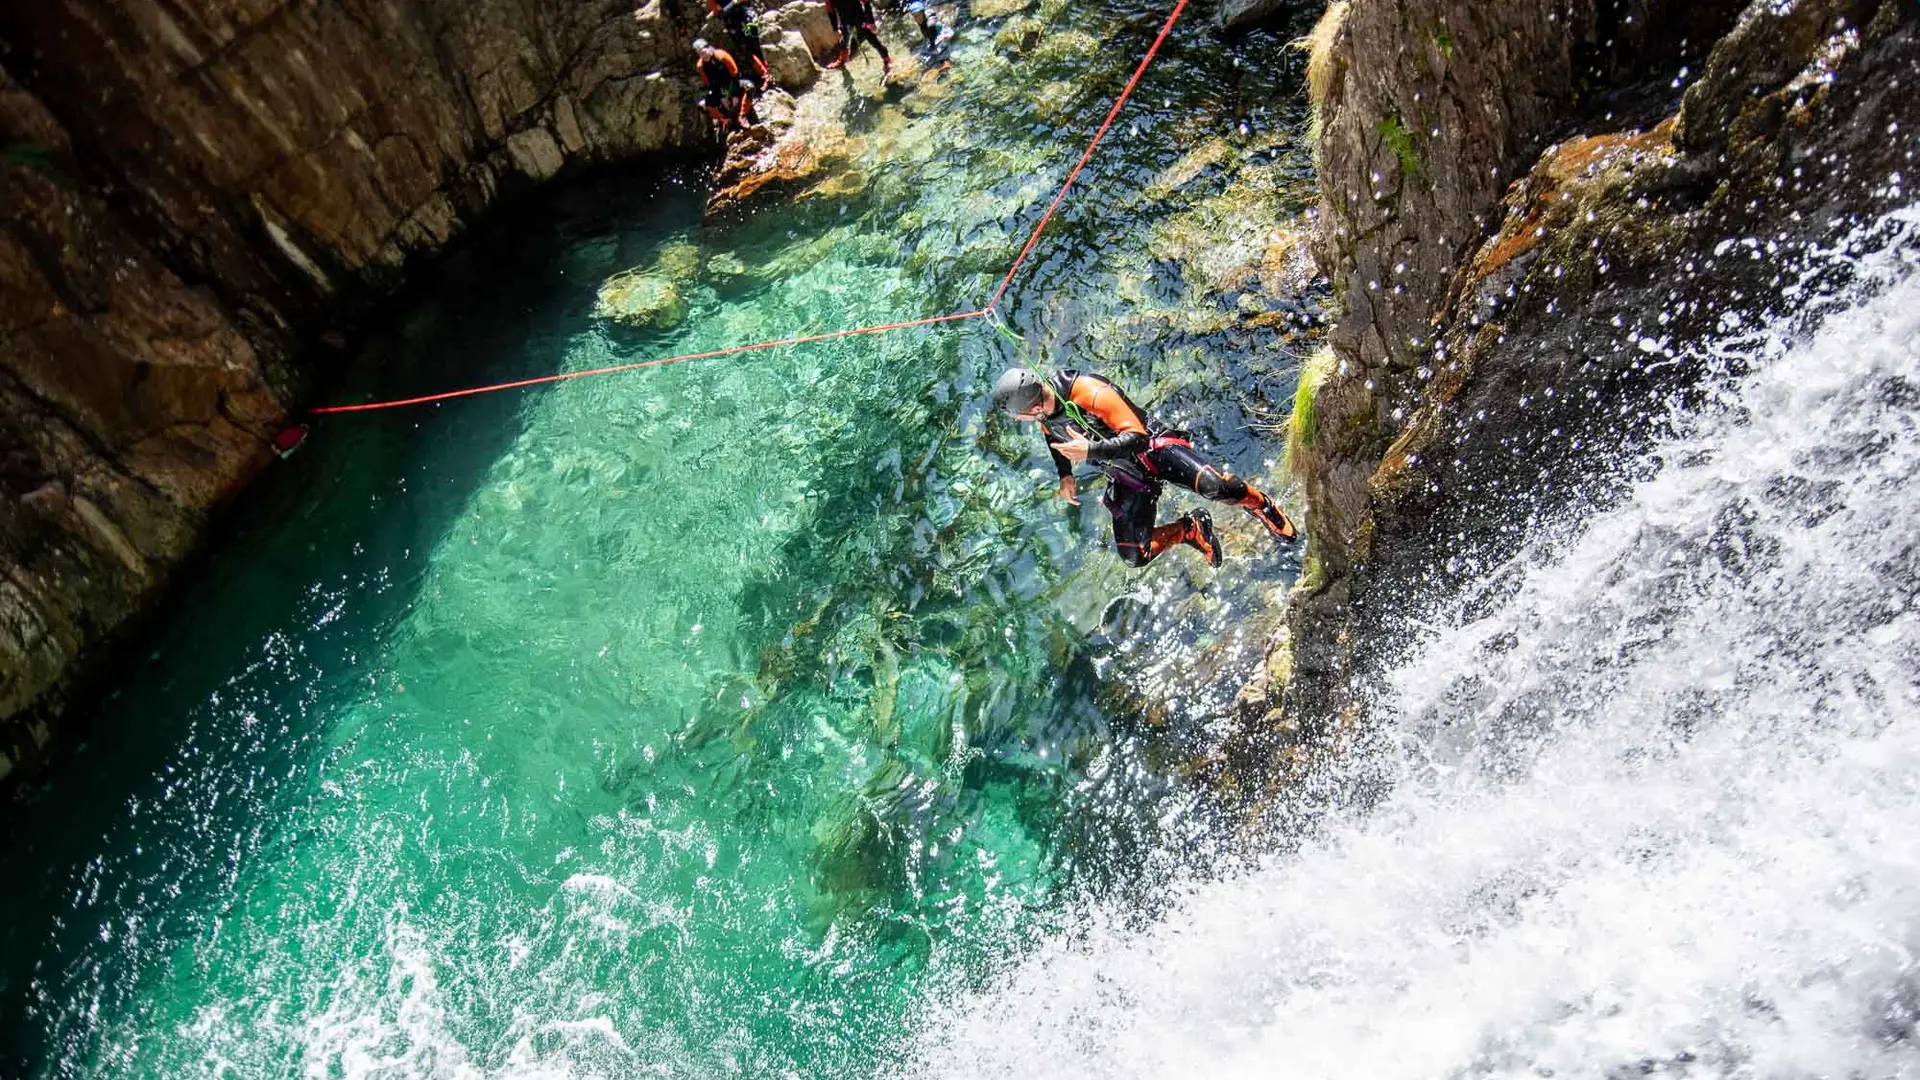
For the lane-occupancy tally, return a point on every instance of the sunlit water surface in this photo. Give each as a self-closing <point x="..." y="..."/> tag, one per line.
<point x="708" y="720"/>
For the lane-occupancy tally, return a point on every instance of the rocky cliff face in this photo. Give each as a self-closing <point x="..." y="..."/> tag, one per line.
<point x="192" y="192"/>
<point x="1527" y="224"/>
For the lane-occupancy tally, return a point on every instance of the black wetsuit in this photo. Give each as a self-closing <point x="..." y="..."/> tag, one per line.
<point x="855" y="17"/>
<point x="728" y="94"/>
<point x="745" y="31"/>
<point x="1137" y="457"/>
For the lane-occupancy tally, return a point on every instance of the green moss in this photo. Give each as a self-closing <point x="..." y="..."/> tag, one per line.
<point x="1444" y="39"/>
<point x="1313" y="578"/>
<point x="1323" y="66"/>
<point x="1313" y="375"/>
<point x="1400" y="141"/>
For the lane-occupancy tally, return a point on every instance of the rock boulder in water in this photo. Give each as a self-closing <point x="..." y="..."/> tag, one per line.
<point x="640" y="300"/>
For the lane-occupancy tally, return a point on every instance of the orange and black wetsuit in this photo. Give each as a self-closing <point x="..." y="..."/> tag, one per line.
<point x="727" y="100"/>
<point x="1137" y="457"/>
<point x="744" y="29"/>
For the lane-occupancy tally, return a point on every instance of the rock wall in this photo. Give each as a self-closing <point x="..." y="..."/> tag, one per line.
<point x="190" y="194"/>
<point x="1517" y="206"/>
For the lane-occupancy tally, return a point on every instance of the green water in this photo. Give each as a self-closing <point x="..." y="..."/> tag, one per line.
<point x="701" y="721"/>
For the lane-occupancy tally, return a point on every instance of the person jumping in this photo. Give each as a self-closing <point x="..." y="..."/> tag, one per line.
<point x="1085" y="417"/>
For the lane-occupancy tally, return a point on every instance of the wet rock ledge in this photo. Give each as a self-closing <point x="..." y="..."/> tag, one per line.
<point x="1533" y="213"/>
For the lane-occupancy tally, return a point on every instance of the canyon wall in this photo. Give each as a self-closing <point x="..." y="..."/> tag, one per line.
<point x="1534" y="215"/>
<point x="196" y="201"/>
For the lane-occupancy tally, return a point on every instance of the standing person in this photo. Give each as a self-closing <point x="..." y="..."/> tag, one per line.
<point x="729" y="98"/>
<point x="744" y="29"/>
<point x="1084" y="417"/>
<point x="930" y="28"/>
<point x="856" y="17"/>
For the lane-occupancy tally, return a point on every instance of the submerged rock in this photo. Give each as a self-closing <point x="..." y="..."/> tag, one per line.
<point x="678" y="262"/>
<point x="640" y="300"/>
<point x="1020" y="35"/>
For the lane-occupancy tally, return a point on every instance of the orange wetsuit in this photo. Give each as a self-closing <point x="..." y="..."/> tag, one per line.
<point x="1137" y="457"/>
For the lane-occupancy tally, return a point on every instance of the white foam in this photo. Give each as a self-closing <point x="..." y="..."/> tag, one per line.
<point x="1659" y="809"/>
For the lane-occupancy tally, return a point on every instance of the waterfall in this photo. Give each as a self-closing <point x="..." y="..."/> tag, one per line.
<point x="1655" y="808"/>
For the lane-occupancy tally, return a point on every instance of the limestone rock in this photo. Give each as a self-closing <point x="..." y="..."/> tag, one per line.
<point x="1485" y="316"/>
<point x="791" y="61"/>
<point x="801" y="150"/>
<point x="536" y="153"/>
<point x="809" y="19"/>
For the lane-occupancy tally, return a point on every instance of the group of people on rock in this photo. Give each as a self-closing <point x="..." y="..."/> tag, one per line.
<point x="734" y="80"/>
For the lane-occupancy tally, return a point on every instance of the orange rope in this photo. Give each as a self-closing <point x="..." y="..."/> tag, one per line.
<point x="1032" y="239"/>
<point x="471" y="390"/>
<point x="1118" y="103"/>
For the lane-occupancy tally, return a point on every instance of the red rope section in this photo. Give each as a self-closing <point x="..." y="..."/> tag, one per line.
<point x="1032" y="239"/>
<point x="471" y="390"/>
<point x="1118" y="104"/>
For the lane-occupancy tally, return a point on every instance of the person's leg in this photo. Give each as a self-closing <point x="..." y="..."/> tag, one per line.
<point x="845" y="29"/>
<point x="871" y="33"/>
<point x="757" y="58"/>
<point x="1139" y="541"/>
<point x="849" y="38"/>
<point x="1180" y="465"/>
<point x="1133" y="529"/>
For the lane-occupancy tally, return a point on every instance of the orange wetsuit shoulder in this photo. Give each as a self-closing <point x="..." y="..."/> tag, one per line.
<point x="1101" y="399"/>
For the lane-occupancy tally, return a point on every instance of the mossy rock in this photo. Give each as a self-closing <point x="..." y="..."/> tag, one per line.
<point x="1075" y="48"/>
<point x="642" y="300"/>
<point x="678" y="262"/>
<point x="1020" y="35"/>
<point x="995" y="9"/>
<point x="726" y="272"/>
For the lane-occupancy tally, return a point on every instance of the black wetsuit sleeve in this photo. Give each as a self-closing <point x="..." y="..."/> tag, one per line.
<point x="1124" y="445"/>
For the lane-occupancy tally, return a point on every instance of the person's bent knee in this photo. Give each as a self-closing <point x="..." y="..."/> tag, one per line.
<point x="1223" y="489"/>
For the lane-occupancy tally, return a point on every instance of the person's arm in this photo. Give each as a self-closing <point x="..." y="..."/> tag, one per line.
<point x="1096" y="398"/>
<point x="1061" y="466"/>
<point x="1069" y="488"/>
